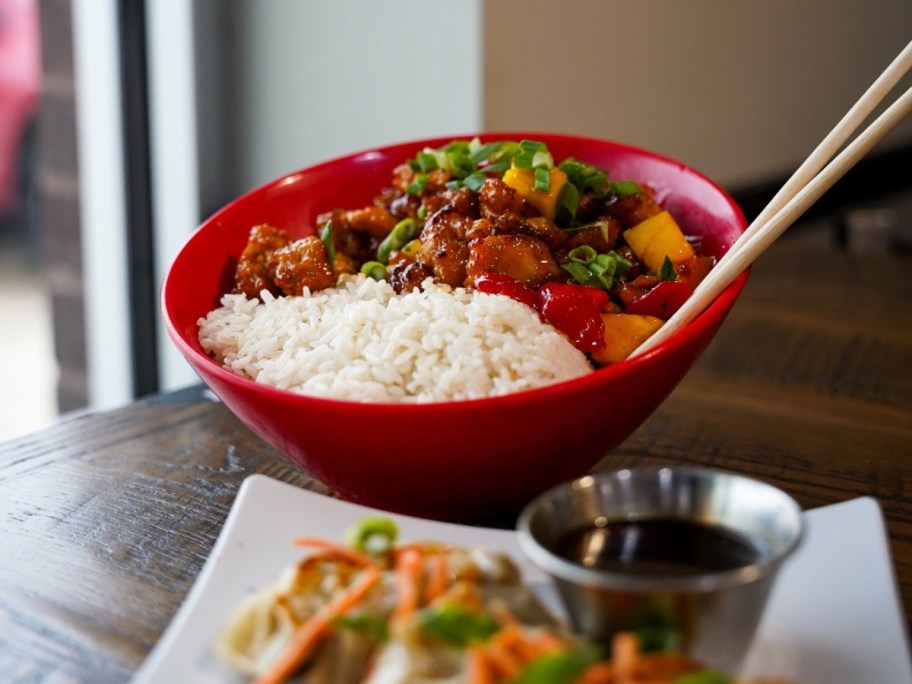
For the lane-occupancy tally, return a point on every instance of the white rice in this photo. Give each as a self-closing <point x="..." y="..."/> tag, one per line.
<point x="361" y="341"/>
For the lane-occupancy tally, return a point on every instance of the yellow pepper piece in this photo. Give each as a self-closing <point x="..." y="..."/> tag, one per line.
<point x="411" y="248"/>
<point x="657" y="237"/>
<point x="523" y="181"/>
<point x="623" y="334"/>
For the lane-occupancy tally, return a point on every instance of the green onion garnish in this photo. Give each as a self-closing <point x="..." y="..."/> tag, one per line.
<point x="374" y="269"/>
<point x="326" y="237"/>
<point x="426" y="162"/>
<point x="475" y="181"/>
<point x="542" y="179"/>
<point x="567" y="204"/>
<point x="533" y="154"/>
<point x="587" y="267"/>
<point x="560" y="667"/>
<point x="625" y="188"/>
<point x="372" y="626"/>
<point x="406" y="230"/>
<point x="418" y="184"/>
<point x="668" y="272"/>
<point x="374" y="535"/>
<point x="586" y="178"/>
<point x="455" y="624"/>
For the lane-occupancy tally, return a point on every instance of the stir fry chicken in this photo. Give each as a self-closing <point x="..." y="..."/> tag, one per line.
<point x="457" y="216"/>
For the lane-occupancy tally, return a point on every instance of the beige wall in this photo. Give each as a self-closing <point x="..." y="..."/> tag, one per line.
<point x="741" y="90"/>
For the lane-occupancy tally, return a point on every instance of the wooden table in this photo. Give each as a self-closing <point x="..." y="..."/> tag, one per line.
<point x="107" y="518"/>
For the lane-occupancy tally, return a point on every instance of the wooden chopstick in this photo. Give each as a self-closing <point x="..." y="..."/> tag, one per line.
<point x="804" y="188"/>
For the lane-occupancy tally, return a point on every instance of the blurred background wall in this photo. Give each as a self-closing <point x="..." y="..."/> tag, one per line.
<point x="157" y="112"/>
<point x="741" y="90"/>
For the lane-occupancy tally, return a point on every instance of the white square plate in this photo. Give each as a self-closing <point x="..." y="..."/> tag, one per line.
<point x="833" y="617"/>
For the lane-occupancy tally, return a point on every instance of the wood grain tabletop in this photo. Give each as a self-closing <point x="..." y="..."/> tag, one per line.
<point x="107" y="518"/>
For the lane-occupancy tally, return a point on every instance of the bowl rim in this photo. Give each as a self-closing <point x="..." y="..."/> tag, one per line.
<point x="717" y="309"/>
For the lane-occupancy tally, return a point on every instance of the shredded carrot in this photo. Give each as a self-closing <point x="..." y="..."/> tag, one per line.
<point x="336" y="549"/>
<point x="505" y="663"/>
<point x="437" y="577"/>
<point x="599" y="673"/>
<point x="408" y="571"/>
<point x="477" y="670"/>
<point x="310" y="633"/>
<point x="625" y="649"/>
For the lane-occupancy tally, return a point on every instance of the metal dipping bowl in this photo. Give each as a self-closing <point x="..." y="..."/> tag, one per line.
<point x="712" y="615"/>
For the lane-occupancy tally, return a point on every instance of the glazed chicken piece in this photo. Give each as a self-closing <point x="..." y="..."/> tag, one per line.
<point x="376" y="222"/>
<point x="461" y="199"/>
<point x="523" y="257"/>
<point x="511" y="223"/>
<point x="601" y="236"/>
<point x="405" y="275"/>
<point x="302" y="264"/>
<point x="496" y="198"/>
<point x="254" y="272"/>
<point x="541" y="228"/>
<point x="633" y="209"/>
<point x="444" y="250"/>
<point x="357" y="232"/>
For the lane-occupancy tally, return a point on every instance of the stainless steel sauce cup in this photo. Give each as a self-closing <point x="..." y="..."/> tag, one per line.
<point x="713" y="614"/>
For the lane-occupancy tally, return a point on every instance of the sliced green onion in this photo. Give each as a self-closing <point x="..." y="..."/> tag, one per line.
<point x="407" y="229"/>
<point x="587" y="267"/>
<point x="583" y="253"/>
<point x="372" y="626"/>
<point x="625" y="188"/>
<point x="457" y="146"/>
<point x="497" y="167"/>
<point x="533" y="154"/>
<point x="373" y="535"/>
<point x="326" y="237"/>
<point x="581" y="274"/>
<point x="496" y="153"/>
<point x="587" y="178"/>
<point x="374" y="269"/>
<point x="475" y="181"/>
<point x="426" y="162"/>
<point x="560" y="667"/>
<point x="418" y="184"/>
<point x="668" y="272"/>
<point x="567" y="204"/>
<point x="485" y="152"/>
<point x="456" y="625"/>
<point x="460" y="164"/>
<point x="542" y="179"/>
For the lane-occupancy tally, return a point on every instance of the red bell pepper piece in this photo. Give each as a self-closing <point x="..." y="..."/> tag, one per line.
<point x="495" y="283"/>
<point x="662" y="300"/>
<point x="576" y="311"/>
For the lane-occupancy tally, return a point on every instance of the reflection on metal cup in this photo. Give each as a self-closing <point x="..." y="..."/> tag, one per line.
<point x="686" y="557"/>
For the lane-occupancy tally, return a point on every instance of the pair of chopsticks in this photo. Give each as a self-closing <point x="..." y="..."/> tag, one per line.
<point x="812" y="179"/>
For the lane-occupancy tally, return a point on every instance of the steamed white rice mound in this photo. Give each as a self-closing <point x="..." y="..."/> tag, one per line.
<point x="361" y="341"/>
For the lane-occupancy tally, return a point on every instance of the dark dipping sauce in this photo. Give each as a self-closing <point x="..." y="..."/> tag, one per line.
<point x="658" y="547"/>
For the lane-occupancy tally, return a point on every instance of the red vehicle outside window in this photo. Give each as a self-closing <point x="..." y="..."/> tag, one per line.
<point x="20" y="91"/>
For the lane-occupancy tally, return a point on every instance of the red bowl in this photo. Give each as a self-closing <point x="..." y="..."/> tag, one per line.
<point x="453" y="460"/>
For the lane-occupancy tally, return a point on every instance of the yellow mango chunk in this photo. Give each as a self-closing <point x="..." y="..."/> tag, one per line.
<point x="411" y="248"/>
<point x="523" y="181"/>
<point x="657" y="237"/>
<point x="623" y="334"/>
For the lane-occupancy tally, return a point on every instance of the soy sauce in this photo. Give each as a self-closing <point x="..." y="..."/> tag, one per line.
<point x="662" y="547"/>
